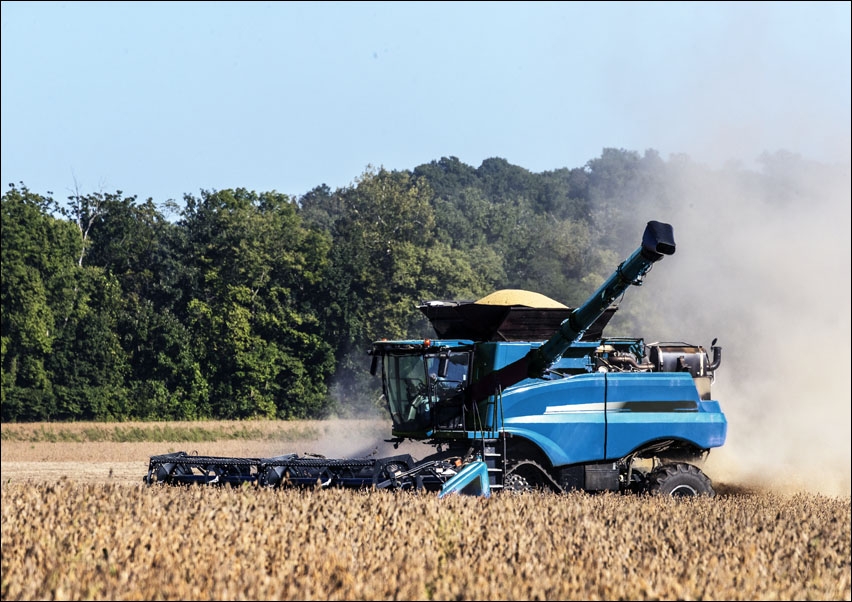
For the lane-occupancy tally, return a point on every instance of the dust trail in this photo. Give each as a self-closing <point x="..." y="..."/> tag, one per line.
<point x="358" y="438"/>
<point x="763" y="263"/>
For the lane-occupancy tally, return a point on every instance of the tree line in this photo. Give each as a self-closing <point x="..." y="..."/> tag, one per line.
<point x="239" y="304"/>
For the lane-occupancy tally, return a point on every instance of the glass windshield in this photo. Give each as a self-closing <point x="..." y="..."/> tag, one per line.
<point x="414" y="386"/>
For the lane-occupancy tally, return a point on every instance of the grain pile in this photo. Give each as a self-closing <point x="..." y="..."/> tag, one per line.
<point x="70" y="540"/>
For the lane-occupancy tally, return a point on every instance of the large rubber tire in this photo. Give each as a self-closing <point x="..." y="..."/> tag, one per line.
<point x="679" y="480"/>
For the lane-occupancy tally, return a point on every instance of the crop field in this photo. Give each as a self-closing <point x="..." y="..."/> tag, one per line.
<point x="78" y="524"/>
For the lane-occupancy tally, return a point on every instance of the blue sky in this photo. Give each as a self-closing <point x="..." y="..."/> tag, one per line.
<point x="159" y="99"/>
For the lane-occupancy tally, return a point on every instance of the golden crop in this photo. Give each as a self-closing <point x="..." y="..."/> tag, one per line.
<point x="74" y="541"/>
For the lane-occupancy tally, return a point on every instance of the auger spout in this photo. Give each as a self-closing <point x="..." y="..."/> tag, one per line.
<point x="657" y="242"/>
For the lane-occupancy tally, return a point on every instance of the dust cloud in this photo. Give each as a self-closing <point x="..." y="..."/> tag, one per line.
<point x="763" y="263"/>
<point x="358" y="438"/>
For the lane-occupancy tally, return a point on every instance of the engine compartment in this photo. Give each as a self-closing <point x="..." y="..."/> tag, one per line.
<point x="635" y="356"/>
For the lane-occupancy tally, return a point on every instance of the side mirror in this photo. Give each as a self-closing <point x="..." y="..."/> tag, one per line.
<point x="443" y="366"/>
<point x="374" y="365"/>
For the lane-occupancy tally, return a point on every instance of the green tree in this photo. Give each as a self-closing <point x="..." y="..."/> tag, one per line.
<point x="88" y="364"/>
<point x="143" y="251"/>
<point x="38" y="296"/>
<point x="503" y="181"/>
<point x="448" y="176"/>
<point x="564" y="194"/>
<point x="251" y="305"/>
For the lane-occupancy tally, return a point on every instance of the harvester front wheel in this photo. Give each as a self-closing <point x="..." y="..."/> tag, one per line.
<point x="679" y="480"/>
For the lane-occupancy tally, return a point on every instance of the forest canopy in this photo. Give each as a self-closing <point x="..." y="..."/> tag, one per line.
<point x="239" y="304"/>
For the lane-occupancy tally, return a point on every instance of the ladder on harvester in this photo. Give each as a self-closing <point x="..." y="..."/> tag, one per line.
<point x="494" y="450"/>
<point x="494" y="458"/>
<point x="484" y="474"/>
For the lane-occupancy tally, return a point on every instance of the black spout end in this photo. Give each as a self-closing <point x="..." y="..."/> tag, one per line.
<point x="658" y="240"/>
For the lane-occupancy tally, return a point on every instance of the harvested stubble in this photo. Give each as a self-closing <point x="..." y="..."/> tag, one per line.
<point x="125" y="542"/>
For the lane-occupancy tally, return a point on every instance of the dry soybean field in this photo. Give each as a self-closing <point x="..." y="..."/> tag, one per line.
<point x="78" y="524"/>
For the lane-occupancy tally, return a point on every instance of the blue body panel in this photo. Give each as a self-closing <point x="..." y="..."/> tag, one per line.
<point x="643" y="407"/>
<point x="471" y="480"/>
<point x="595" y="416"/>
<point x="565" y="418"/>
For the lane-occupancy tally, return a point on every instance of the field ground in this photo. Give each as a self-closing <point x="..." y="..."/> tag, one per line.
<point x="77" y="523"/>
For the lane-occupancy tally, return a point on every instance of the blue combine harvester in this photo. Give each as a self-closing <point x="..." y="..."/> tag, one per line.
<point x="518" y="392"/>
